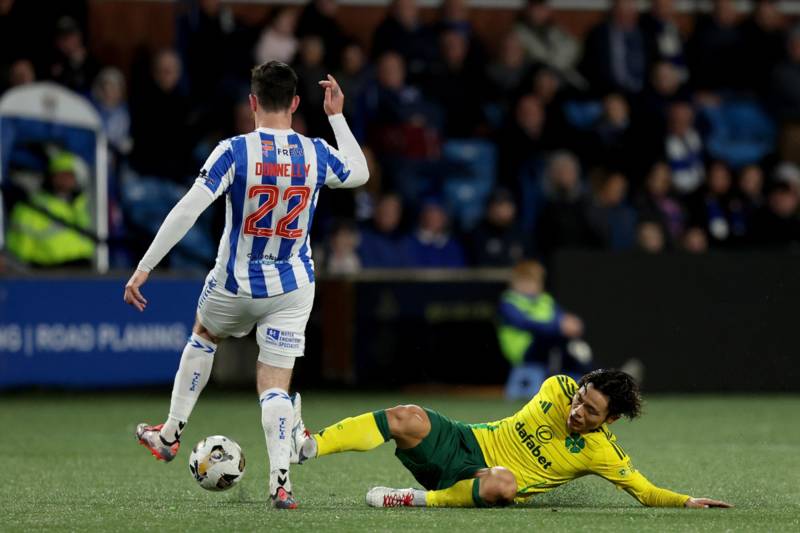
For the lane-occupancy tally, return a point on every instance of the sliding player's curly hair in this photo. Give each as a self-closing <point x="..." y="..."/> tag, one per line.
<point x="274" y="84"/>
<point x="623" y="394"/>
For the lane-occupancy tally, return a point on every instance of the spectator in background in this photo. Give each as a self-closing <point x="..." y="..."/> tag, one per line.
<point x="785" y="98"/>
<point x="47" y="230"/>
<point x="454" y="16"/>
<point x="763" y="45"/>
<point x="21" y="72"/>
<point x="14" y="36"/>
<point x="650" y="237"/>
<point x="751" y="193"/>
<point x="277" y="41"/>
<point x="353" y="76"/>
<point x="505" y="73"/>
<point x="383" y="244"/>
<point x="108" y="96"/>
<point x="611" y="217"/>
<point x="663" y="39"/>
<point x="657" y="205"/>
<point x="310" y="69"/>
<point x="536" y="336"/>
<point x="522" y="143"/>
<point x="549" y="89"/>
<point x="546" y="43"/>
<point x="615" y="58"/>
<point x="776" y="224"/>
<point x="390" y="101"/>
<point x="684" y="149"/>
<point x="716" y="209"/>
<point x="342" y="258"/>
<point x="456" y="87"/>
<point x="612" y="138"/>
<point x="213" y="46"/>
<point x="319" y="18"/>
<point x="72" y="65"/>
<point x="664" y="89"/>
<point x="563" y="221"/>
<point x="160" y="127"/>
<point x="402" y="31"/>
<point x="785" y="79"/>
<point x="432" y="245"/>
<point x="714" y="49"/>
<point x="695" y="240"/>
<point x="498" y="241"/>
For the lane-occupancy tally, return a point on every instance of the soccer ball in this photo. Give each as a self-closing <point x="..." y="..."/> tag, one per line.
<point x="217" y="463"/>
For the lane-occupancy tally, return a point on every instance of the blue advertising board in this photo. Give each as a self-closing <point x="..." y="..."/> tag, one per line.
<point x="79" y="333"/>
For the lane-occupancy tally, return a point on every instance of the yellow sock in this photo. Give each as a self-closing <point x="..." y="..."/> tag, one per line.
<point x="359" y="434"/>
<point x="465" y="493"/>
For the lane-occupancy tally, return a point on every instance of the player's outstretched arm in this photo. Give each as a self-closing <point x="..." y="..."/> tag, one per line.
<point x="347" y="166"/>
<point x="175" y="226"/>
<point x="705" y="503"/>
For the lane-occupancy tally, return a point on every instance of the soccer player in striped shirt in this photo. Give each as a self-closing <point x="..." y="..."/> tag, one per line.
<point x="559" y="435"/>
<point x="264" y="274"/>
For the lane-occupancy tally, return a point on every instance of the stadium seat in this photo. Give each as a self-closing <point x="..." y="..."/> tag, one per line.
<point x="582" y="114"/>
<point x="469" y="167"/>
<point x="740" y="132"/>
<point x="146" y="201"/>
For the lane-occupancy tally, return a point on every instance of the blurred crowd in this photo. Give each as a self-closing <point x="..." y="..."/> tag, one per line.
<point x="651" y="132"/>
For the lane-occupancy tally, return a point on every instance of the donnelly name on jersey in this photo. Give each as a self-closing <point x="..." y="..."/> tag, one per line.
<point x="536" y="449"/>
<point x="282" y="170"/>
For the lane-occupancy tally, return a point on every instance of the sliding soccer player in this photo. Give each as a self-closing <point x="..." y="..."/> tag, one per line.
<point x="559" y="435"/>
<point x="264" y="274"/>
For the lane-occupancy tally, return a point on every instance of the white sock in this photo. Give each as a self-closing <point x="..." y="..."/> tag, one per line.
<point x="418" y="498"/>
<point x="191" y="378"/>
<point x="277" y="419"/>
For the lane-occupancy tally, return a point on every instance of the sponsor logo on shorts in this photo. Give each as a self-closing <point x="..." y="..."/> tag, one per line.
<point x="528" y="440"/>
<point x="283" y="339"/>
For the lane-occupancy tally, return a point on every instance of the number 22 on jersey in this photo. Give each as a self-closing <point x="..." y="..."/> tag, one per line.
<point x="272" y="193"/>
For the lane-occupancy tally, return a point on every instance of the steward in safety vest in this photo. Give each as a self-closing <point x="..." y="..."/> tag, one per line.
<point x="536" y="336"/>
<point x="43" y="229"/>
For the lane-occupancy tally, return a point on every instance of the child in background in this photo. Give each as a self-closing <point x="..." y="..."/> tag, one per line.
<point x="537" y="337"/>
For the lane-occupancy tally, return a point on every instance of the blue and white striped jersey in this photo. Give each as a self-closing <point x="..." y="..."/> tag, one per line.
<point x="271" y="180"/>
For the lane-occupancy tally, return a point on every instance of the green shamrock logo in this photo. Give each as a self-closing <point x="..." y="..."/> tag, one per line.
<point x="575" y="443"/>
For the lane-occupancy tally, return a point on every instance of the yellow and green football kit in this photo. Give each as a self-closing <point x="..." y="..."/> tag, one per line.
<point x="538" y="448"/>
<point x="534" y="444"/>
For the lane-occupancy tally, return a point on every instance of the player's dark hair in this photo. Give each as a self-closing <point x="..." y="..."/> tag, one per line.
<point x="622" y="390"/>
<point x="274" y="84"/>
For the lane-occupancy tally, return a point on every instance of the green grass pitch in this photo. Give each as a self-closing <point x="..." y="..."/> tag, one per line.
<point x="71" y="463"/>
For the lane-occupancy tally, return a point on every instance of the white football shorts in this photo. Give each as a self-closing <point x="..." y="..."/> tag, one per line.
<point x="281" y="320"/>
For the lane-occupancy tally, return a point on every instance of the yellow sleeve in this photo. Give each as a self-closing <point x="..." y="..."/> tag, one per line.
<point x="615" y="466"/>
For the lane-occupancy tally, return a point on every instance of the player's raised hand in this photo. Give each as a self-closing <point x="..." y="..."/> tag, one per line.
<point x="705" y="503"/>
<point x="334" y="99"/>
<point x="132" y="294"/>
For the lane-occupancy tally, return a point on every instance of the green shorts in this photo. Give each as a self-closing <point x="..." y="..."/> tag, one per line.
<point x="448" y="454"/>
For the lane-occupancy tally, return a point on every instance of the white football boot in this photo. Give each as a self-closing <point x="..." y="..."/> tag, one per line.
<point x="388" y="497"/>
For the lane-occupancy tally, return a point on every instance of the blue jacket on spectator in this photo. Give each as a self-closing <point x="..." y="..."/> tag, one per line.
<point x="430" y="251"/>
<point x="381" y="250"/>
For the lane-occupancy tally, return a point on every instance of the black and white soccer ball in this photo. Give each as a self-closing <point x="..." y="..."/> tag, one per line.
<point x="217" y="463"/>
